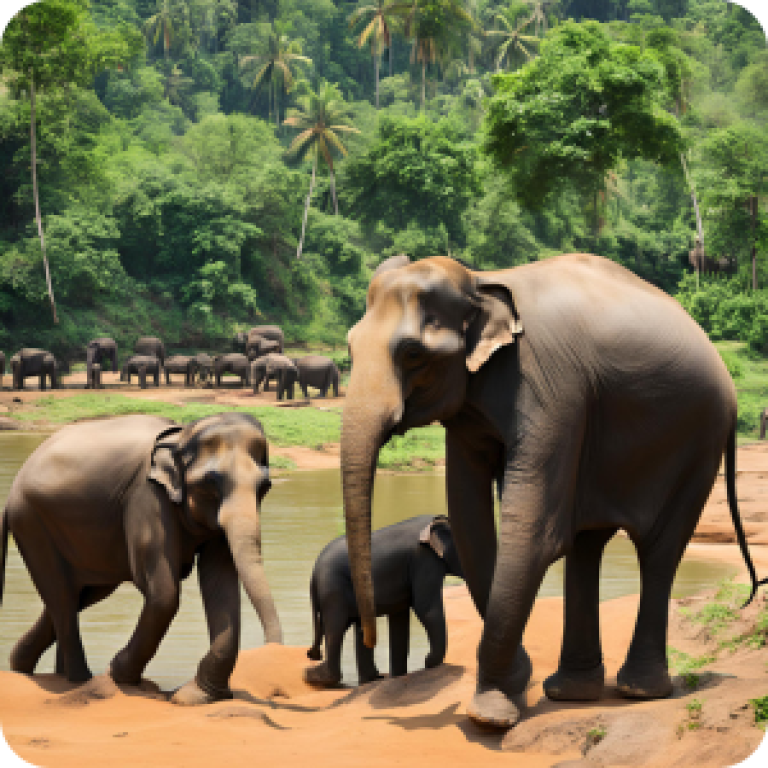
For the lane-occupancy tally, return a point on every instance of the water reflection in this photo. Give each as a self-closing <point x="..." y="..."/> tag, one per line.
<point x="302" y="512"/>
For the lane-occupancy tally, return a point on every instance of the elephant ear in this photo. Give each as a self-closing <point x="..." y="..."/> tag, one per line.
<point x="430" y="536"/>
<point x="494" y="323"/>
<point x="164" y="466"/>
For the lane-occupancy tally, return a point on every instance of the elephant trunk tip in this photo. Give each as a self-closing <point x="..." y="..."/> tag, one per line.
<point x="369" y="634"/>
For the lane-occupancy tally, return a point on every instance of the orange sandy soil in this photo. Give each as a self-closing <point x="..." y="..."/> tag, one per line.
<point x="277" y="720"/>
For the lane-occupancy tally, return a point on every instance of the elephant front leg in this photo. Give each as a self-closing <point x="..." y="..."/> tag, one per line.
<point x="399" y="642"/>
<point x="580" y="675"/>
<point x="429" y="611"/>
<point x="220" y="589"/>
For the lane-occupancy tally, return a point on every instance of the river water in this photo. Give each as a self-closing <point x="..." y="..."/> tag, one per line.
<point x="301" y="514"/>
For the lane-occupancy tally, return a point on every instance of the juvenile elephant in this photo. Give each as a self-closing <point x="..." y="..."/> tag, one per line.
<point x="181" y="364"/>
<point x="204" y="367"/>
<point x="139" y="502"/>
<point x="151" y="345"/>
<point x="277" y="367"/>
<point x="97" y="352"/>
<point x="592" y="399"/>
<point x="410" y="561"/>
<point x="273" y="332"/>
<point x="317" y="371"/>
<point x="258" y="346"/>
<point x="34" y="362"/>
<point x="234" y="363"/>
<point x="141" y="365"/>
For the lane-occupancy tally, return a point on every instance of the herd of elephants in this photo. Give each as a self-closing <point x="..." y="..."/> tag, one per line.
<point x="257" y="357"/>
<point x="581" y="396"/>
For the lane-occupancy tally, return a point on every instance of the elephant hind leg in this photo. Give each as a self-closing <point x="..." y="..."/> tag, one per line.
<point x="33" y="644"/>
<point x="336" y="622"/>
<point x="367" y="671"/>
<point x="580" y="675"/>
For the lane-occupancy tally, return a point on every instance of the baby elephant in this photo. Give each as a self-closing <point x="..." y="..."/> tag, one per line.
<point x="409" y="561"/>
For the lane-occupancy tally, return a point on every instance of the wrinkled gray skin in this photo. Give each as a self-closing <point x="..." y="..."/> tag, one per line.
<point x="258" y="346"/>
<point x="140" y="501"/>
<point x="34" y="362"/>
<point x="591" y="398"/>
<point x="235" y="363"/>
<point x="277" y="367"/>
<point x="151" y="345"/>
<point x="141" y="365"/>
<point x="273" y="332"/>
<point x="97" y="352"/>
<point x="319" y="372"/>
<point x="410" y="562"/>
<point x="183" y="364"/>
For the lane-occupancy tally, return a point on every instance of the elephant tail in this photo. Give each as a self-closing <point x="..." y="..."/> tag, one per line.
<point x="314" y="652"/>
<point x="3" y="549"/>
<point x="730" y="486"/>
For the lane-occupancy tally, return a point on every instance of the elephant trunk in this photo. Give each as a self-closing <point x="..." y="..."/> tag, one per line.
<point x="239" y="517"/>
<point x="373" y="407"/>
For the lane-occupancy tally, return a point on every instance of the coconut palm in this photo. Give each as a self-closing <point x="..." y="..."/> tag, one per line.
<point x="319" y="119"/>
<point x="276" y="67"/>
<point x="161" y="23"/>
<point x="436" y="26"/>
<point x="513" y="39"/>
<point x="539" y="13"/>
<point x="378" y="30"/>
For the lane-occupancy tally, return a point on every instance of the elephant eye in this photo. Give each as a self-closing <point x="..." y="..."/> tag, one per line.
<point x="432" y="321"/>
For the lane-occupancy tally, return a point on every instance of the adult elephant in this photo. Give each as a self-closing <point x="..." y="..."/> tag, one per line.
<point x="274" y="332"/>
<point x="141" y="365"/>
<point x="34" y="362"/>
<point x="184" y="364"/>
<point x="593" y="401"/>
<point x="139" y="501"/>
<point x="259" y="346"/>
<point x="151" y="345"/>
<point x="96" y="353"/>
<point x="234" y="363"/>
<point x="278" y="367"/>
<point x="317" y="371"/>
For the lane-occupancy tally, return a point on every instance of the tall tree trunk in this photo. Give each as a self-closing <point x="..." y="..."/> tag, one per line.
<point x="391" y="52"/>
<point x="376" y="76"/>
<point x="333" y="193"/>
<point x="753" y="211"/>
<point x="699" y="228"/>
<point x="423" y="83"/>
<point x="306" y="209"/>
<point x="33" y="142"/>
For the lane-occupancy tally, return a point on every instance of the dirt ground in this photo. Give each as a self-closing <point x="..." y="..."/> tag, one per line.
<point x="275" y="719"/>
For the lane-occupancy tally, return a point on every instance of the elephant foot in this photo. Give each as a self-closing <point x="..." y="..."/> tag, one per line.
<point x="192" y="695"/>
<point x="371" y="677"/>
<point x="122" y="672"/>
<point x="649" y="682"/>
<point x="321" y="676"/>
<point x="315" y="654"/>
<point x="492" y="707"/>
<point x="430" y="661"/>
<point x="575" y="685"/>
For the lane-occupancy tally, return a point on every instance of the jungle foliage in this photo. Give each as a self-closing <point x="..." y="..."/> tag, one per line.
<point x="171" y="204"/>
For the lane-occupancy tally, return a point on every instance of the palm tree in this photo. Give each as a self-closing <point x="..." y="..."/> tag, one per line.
<point x="539" y="14"/>
<point x="378" y="31"/>
<point x="435" y="26"/>
<point x="161" y="23"/>
<point x="319" y="118"/>
<point x="276" y="67"/>
<point x="513" y="39"/>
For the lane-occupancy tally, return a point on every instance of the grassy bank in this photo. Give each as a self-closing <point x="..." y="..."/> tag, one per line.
<point x="750" y="374"/>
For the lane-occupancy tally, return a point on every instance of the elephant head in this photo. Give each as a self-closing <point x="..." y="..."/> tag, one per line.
<point x="437" y="535"/>
<point x="428" y="327"/>
<point x="217" y="470"/>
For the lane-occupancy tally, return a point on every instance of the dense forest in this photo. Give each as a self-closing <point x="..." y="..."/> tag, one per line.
<point x="204" y="165"/>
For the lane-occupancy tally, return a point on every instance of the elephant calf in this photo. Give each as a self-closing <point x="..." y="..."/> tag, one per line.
<point x="141" y="365"/>
<point x="142" y="501"/>
<point x="181" y="364"/>
<point x="234" y="363"/>
<point x="410" y="561"/>
<point x="319" y="372"/>
<point x="278" y="367"/>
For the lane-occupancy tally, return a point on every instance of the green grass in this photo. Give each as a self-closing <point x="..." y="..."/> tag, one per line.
<point x="424" y="446"/>
<point x="750" y="374"/>
<point x="761" y="711"/>
<point x="684" y="664"/>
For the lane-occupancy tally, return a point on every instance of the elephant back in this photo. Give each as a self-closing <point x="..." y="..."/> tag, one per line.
<point x="271" y="332"/>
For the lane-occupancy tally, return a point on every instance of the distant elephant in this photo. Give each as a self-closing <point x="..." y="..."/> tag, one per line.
<point x="763" y="423"/>
<point x="97" y="351"/>
<point x="141" y="365"/>
<point x="239" y="341"/>
<point x="706" y="265"/>
<point x="34" y="362"/>
<point x="319" y="372"/>
<point x="234" y="363"/>
<point x="278" y="367"/>
<point x="204" y="367"/>
<point x="273" y="332"/>
<point x="181" y="364"/>
<point x="139" y="499"/>
<point x="2" y="368"/>
<point x="93" y="377"/>
<point x="151" y="345"/>
<point x="410" y="561"/>
<point x="591" y="399"/>
<point x="258" y="346"/>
